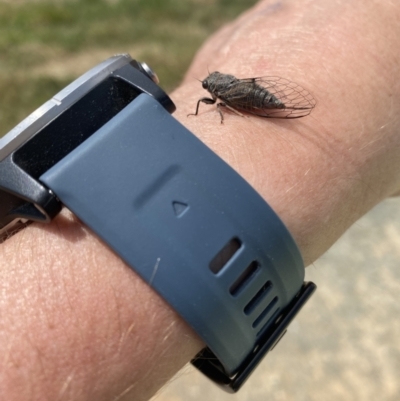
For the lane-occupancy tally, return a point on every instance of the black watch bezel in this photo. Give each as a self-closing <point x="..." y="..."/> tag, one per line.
<point x="58" y="127"/>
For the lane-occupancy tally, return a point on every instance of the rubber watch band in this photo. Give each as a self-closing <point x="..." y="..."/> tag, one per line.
<point x="192" y="228"/>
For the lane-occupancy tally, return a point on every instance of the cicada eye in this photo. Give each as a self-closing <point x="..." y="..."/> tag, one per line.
<point x="205" y="84"/>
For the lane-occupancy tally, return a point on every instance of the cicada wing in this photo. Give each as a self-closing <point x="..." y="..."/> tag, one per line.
<point x="272" y="97"/>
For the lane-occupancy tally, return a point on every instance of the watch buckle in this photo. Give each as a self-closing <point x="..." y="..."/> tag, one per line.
<point x="209" y="365"/>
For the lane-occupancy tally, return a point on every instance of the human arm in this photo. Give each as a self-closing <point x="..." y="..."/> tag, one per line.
<point x="78" y="324"/>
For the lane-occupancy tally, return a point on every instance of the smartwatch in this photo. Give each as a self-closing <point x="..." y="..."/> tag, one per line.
<point x="108" y="149"/>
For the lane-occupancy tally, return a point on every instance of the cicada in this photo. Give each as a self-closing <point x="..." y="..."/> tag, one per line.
<point x="272" y="97"/>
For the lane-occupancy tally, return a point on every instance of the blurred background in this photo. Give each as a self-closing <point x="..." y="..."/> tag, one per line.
<point x="345" y="345"/>
<point x="45" y="44"/>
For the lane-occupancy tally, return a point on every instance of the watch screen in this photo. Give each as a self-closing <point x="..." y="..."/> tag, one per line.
<point x="74" y="126"/>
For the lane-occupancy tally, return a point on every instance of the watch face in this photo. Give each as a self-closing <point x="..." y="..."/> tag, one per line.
<point x="62" y="120"/>
<point x="61" y="125"/>
<point x="59" y="103"/>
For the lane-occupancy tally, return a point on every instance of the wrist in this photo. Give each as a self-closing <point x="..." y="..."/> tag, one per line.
<point x="92" y="308"/>
<point x="322" y="172"/>
<point x="318" y="175"/>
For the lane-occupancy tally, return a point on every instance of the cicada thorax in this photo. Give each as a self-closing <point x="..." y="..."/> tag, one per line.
<point x="220" y="85"/>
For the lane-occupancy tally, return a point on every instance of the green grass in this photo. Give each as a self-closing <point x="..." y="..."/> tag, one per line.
<point x="164" y="33"/>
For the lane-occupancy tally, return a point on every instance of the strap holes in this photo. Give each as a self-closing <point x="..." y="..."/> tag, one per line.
<point x="224" y="255"/>
<point x="244" y="278"/>
<point x="261" y="294"/>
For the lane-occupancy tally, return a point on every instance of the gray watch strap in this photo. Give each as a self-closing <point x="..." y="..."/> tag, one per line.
<point x="191" y="227"/>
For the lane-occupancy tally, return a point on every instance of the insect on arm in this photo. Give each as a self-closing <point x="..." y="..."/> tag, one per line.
<point x="208" y="100"/>
<point x="269" y="97"/>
